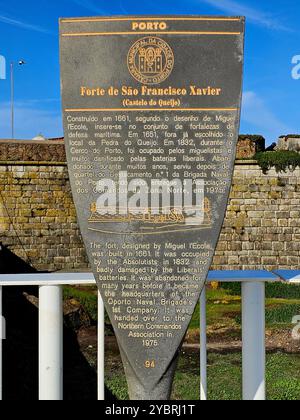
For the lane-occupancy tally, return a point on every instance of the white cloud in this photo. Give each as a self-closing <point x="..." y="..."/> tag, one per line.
<point x="29" y="121"/>
<point x="22" y="24"/>
<point x="253" y="14"/>
<point x="260" y="118"/>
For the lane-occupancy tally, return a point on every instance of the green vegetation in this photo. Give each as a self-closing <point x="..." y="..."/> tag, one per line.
<point x="224" y="378"/>
<point x="282" y="314"/>
<point x="87" y="298"/>
<point x="282" y="291"/>
<point x="278" y="313"/>
<point x="224" y="307"/>
<point x="273" y="290"/>
<point x="283" y="377"/>
<point x="290" y="136"/>
<point x="281" y="160"/>
<point x="117" y="385"/>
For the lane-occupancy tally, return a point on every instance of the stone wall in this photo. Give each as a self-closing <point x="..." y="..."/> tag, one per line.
<point x="262" y="225"/>
<point x="37" y="215"/>
<point x="38" y="218"/>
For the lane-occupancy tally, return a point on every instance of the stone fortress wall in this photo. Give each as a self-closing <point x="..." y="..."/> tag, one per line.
<point x="38" y="218"/>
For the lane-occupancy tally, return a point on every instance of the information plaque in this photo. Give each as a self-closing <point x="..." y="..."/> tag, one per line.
<point x="151" y="111"/>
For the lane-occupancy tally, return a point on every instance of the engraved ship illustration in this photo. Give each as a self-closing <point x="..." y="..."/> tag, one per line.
<point x="155" y="220"/>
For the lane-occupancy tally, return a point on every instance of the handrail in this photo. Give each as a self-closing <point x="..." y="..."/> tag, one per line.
<point x="87" y="278"/>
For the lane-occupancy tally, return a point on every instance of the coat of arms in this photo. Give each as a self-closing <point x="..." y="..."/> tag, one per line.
<point x="150" y="60"/>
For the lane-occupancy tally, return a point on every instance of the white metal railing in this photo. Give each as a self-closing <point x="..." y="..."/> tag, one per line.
<point x="51" y="327"/>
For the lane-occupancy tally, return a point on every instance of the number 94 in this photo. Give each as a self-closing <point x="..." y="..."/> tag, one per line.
<point x="150" y="364"/>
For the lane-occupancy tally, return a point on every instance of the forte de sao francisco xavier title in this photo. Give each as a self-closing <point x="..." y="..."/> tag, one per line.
<point x="129" y="91"/>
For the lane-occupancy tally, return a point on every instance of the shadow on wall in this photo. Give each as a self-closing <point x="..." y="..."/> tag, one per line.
<point x="20" y="349"/>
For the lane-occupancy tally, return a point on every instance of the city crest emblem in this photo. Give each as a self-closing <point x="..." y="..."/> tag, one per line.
<point x="150" y="60"/>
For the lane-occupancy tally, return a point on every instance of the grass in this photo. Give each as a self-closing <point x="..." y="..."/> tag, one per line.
<point x="225" y="378"/>
<point x="282" y="314"/>
<point x="278" y="314"/>
<point x="283" y="377"/>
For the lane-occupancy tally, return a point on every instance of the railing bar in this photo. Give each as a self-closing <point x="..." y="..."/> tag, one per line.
<point x="40" y="279"/>
<point x="50" y="343"/>
<point x="74" y="277"/>
<point x="39" y="283"/>
<point x="254" y="341"/>
<point x="2" y="337"/>
<point x="101" y="349"/>
<point x="203" y="347"/>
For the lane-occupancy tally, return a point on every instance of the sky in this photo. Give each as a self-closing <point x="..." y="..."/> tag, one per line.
<point x="29" y="31"/>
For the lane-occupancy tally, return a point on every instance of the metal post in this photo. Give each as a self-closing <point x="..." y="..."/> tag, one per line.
<point x="2" y="337"/>
<point x="12" y="84"/>
<point x="101" y="349"/>
<point x="203" y="347"/>
<point x="254" y="348"/>
<point x="50" y="343"/>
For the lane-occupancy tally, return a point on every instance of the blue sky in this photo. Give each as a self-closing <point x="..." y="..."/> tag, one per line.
<point x="29" y="31"/>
